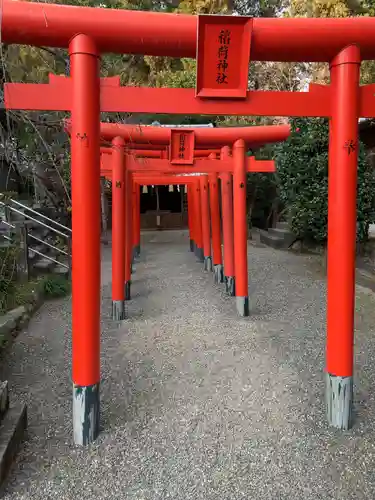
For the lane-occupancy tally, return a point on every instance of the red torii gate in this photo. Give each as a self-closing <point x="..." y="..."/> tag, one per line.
<point x="88" y="32"/>
<point x="121" y="165"/>
<point x="255" y="137"/>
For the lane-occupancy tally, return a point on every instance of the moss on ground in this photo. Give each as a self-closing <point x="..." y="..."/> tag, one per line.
<point x="49" y="286"/>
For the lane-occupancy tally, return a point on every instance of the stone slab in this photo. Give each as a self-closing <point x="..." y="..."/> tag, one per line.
<point x="12" y="432"/>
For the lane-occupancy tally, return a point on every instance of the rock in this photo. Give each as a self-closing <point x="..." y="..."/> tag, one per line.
<point x="17" y="313"/>
<point x="7" y="325"/>
<point x="4" y="399"/>
<point x="14" y="319"/>
<point x="12" y="432"/>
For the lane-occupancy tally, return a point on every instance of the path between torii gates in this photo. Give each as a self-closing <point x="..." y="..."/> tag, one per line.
<point x="198" y="403"/>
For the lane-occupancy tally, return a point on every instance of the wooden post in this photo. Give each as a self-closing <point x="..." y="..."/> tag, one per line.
<point x="198" y="221"/>
<point x="128" y="234"/>
<point x="22" y="242"/>
<point x="227" y="218"/>
<point x="342" y="218"/>
<point x="118" y="228"/>
<point x="104" y="210"/>
<point x="190" y="217"/>
<point x="206" y="223"/>
<point x="69" y="244"/>
<point x="138" y="221"/>
<point x="240" y="228"/>
<point x="85" y="148"/>
<point x="135" y="187"/>
<point x="215" y="227"/>
<point x="8" y="213"/>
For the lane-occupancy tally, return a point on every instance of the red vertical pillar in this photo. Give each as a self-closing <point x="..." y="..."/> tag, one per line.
<point x="138" y="220"/>
<point x="85" y="151"/>
<point x="240" y="228"/>
<point x="215" y="227"/>
<point x="198" y="221"/>
<point x="128" y="235"/>
<point x="134" y="220"/>
<point x="118" y="228"/>
<point x="227" y="221"/>
<point x="190" y="217"/>
<point x="205" y="207"/>
<point x="342" y="220"/>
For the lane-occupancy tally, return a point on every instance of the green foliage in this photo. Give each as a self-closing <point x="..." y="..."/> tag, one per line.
<point x="54" y="286"/>
<point x="7" y="195"/>
<point x="334" y="8"/>
<point x="261" y="199"/>
<point x="8" y="259"/>
<point x="302" y="170"/>
<point x="14" y="294"/>
<point x="181" y="78"/>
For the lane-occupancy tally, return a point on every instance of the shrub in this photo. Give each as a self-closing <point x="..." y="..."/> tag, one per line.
<point x="54" y="286"/>
<point x="8" y="276"/>
<point x="302" y="170"/>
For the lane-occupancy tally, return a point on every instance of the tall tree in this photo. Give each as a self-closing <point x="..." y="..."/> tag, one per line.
<point x="334" y="8"/>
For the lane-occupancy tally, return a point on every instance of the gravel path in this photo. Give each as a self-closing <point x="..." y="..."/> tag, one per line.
<point x="197" y="403"/>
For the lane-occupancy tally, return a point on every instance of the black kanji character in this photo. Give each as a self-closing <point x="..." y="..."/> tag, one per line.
<point x="222" y="65"/>
<point x="224" y="37"/>
<point x="222" y="53"/>
<point x="350" y="146"/>
<point x="221" y="78"/>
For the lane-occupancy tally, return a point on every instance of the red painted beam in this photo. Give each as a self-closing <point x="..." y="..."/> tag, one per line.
<point x="253" y="136"/>
<point x="159" y="34"/>
<point x="164" y="180"/>
<point x="158" y="165"/>
<point x="148" y="165"/>
<point x="155" y="152"/>
<point x="212" y="136"/>
<point x="156" y="179"/>
<point x="316" y="102"/>
<point x="55" y="96"/>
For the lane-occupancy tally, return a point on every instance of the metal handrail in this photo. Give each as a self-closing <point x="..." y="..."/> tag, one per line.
<point x="41" y="254"/>
<point x="8" y="224"/>
<point x="40" y="215"/>
<point x="36" y="239"/>
<point x="49" y="258"/>
<point x="40" y="241"/>
<point x="34" y="220"/>
<point x="47" y="244"/>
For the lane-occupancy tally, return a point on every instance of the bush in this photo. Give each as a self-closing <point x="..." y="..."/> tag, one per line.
<point x="8" y="277"/>
<point x="302" y="170"/>
<point x="54" y="286"/>
<point x="14" y="294"/>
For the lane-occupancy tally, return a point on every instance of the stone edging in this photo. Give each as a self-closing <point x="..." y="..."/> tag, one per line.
<point x="365" y="278"/>
<point x="16" y="319"/>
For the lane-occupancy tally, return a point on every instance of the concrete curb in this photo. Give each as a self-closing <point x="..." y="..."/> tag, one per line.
<point x="18" y="318"/>
<point x="365" y="278"/>
<point x="12" y="433"/>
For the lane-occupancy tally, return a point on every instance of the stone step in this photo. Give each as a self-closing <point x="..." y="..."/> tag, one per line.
<point x="4" y="399"/>
<point x="12" y="432"/>
<point x="274" y="241"/>
<point x="44" y="265"/>
<point x="4" y="228"/>
<point x="60" y="270"/>
<point x="6" y="244"/>
<point x="10" y="321"/>
<point x="282" y="225"/>
<point x="45" y="249"/>
<point x="282" y="233"/>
